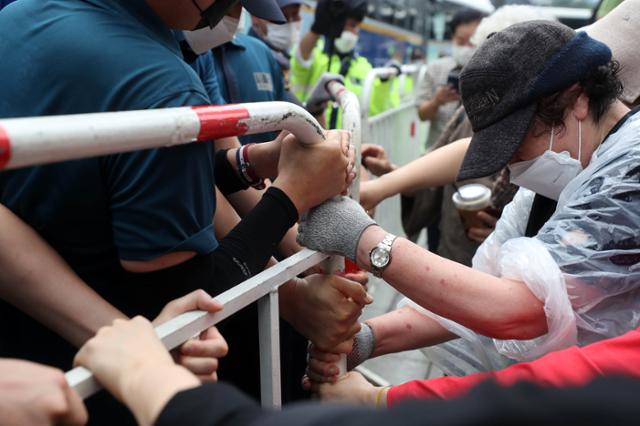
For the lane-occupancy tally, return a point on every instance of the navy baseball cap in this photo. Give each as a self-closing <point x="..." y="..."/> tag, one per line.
<point x="266" y="9"/>
<point x="508" y="74"/>
<point x="285" y="3"/>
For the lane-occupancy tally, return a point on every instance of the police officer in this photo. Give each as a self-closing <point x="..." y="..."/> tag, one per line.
<point x="339" y="22"/>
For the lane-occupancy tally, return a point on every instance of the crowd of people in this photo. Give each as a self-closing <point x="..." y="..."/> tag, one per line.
<point x="524" y="311"/>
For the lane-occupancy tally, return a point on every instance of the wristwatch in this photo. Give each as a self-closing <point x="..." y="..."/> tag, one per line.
<point x="380" y="255"/>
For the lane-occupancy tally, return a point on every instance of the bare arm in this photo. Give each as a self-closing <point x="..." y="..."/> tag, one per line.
<point x="428" y="109"/>
<point x="492" y="306"/>
<point x="405" y="329"/>
<point x="37" y="281"/>
<point x="307" y="44"/>
<point x="436" y="168"/>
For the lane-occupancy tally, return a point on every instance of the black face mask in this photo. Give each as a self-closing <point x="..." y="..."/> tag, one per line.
<point x="211" y="16"/>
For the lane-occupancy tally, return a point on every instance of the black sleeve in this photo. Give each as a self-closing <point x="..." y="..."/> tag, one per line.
<point x="606" y="401"/>
<point x="227" y="180"/>
<point x="252" y="242"/>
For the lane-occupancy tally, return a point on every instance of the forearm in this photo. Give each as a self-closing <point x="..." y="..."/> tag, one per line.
<point x="307" y="44"/>
<point x="225" y="220"/>
<point x="436" y="168"/>
<point x="492" y="306"/>
<point x="251" y="244"/>
<point x="37" y="280"/>
<point x="427" y="110"/>
<point x="227" y="143"/>
<point x="405" y="329"/>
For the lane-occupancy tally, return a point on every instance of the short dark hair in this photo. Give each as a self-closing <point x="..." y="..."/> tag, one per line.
<point x="601" y="85"/>
<point x="465" y="16"/>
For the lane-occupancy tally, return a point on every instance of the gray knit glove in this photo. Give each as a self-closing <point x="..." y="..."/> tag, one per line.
<point x="335" y="227"/>
<point x="320" y="96"/>
<point x="364" y="342"/>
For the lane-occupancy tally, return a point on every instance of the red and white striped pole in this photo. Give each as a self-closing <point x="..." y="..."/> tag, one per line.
<point x="40" y="140"/>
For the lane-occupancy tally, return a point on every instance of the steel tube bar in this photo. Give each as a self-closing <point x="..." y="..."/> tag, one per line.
<point x="40" y="140"/>
<point x="180" y="329"/>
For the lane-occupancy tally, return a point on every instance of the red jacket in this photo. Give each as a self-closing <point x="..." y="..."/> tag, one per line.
<point x="571" y="367"/>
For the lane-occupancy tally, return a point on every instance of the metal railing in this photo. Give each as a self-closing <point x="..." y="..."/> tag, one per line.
<point x="39" y="140"/>
<point x="399" y="131"/>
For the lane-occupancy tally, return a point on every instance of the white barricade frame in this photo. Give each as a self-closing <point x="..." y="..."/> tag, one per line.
<point x="40" y="140"/>
<point x="399" y="131"/>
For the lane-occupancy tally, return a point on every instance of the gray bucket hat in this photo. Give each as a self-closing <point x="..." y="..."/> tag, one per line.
<point x="502" y="82"/>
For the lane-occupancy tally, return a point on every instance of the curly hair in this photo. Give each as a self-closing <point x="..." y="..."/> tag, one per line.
<point x="600" y="84"/>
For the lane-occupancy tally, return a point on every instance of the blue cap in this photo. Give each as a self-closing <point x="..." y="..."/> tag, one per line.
<point x="265" y="9"/>
<point x="285" y="3"/>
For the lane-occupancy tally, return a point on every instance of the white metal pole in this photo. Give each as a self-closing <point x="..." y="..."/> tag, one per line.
<point x="351" y="122"/>
<point x="39" y="140"/>
<point x="181" y="328"/>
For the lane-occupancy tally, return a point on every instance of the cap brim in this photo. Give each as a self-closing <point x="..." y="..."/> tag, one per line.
<point x="492" y="148"/>
<point x="285" y="3"/>
<point x="265" y="9"/>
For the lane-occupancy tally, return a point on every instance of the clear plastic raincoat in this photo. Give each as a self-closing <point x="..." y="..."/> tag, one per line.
<point x="584" y="263"/>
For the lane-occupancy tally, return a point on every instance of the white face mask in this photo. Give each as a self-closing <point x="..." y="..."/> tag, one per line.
<point x="242" y="21"/>
<point x="283" y="37"/>
<point x="462" y="54"/>
<point x="549" y="173"/>
<point x="346" y="42"/>
<point x="207" y="38"/>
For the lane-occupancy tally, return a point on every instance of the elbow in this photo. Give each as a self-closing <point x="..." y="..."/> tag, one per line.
<point x="524" y="324"/>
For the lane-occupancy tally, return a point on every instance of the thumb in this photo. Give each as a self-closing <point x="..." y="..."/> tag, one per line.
<point x="198" y="299"/>
<point x="352" y="289"/>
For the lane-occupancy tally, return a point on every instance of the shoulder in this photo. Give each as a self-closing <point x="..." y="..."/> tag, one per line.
<point x="126" y="65"/>
<point x="253" y="44"/>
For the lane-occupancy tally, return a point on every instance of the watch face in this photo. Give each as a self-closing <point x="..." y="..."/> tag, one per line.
<point x="379" y="257"/>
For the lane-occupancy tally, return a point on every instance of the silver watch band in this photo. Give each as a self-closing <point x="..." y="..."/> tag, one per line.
<point x="385" y="244"/>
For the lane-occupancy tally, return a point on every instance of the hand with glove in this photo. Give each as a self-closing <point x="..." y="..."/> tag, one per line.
<point x="392" y="63"/>
<point x="317" y="102"/>
<point x="334" y="227"/>
<point x="331" y="15"/>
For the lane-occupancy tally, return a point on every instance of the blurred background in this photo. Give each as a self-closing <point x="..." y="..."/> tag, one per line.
<point x="408" y="30"/>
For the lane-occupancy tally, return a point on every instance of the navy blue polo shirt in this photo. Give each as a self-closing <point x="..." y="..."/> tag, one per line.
<point x="4" y="3"/>
<point x="203" y="66"/>
<point x="205" y="69"/>
<point x="81" y="56"/>
<point x="247" y="72"/>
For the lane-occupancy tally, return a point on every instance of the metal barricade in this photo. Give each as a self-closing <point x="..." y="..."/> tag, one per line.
<point x="402" y="134"/>
<point x="399" y="131"/>
<point x="40" y="140"/>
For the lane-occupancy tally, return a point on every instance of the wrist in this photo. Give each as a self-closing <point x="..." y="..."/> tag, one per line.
<point x="370" y="238"/>
<point x="264" y="157"/>
<point x="287" y="298"/>
<point x="295" y="194"/>
<point x="149" y="388"/>
<point x="378" y="396"/>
